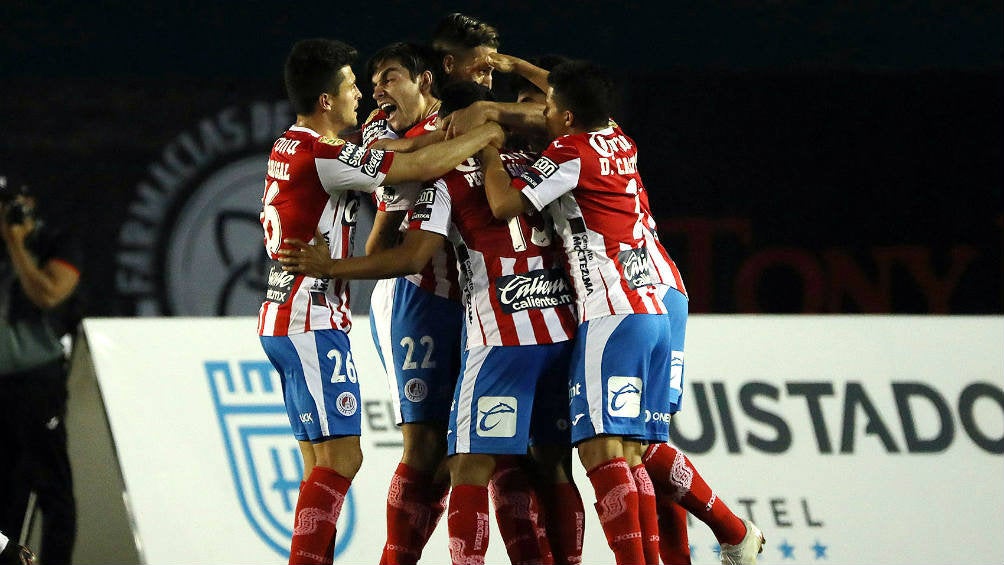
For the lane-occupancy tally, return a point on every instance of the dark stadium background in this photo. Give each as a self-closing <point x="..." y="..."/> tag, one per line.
<point x="822" y="157"/>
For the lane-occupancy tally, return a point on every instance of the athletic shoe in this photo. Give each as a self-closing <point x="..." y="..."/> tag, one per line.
<point x="744" y="552"/>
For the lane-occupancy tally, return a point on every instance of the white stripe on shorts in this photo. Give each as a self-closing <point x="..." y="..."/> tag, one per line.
<point x="465" y="403"/>
<point x="306" y="350"/>
<point x="597" y="336"/>
<point x="381" y="312"/>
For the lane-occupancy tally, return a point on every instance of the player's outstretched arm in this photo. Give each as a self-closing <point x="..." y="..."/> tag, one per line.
<point x="440" y="158"/>
<point x="315" y="260"/>
<point x="504" y="201"/>
<point x="522" y="116"/>
<point x="409" y="144"/>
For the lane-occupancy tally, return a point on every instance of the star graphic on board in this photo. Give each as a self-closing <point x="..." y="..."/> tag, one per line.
<point x="820" y="550"/>
<point x="787" y="550"/>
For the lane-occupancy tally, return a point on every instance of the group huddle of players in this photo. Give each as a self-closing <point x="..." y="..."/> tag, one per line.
<point x="525" y="305"/>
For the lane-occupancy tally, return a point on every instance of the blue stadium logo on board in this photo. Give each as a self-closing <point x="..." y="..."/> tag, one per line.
<point x="264" y="458"/>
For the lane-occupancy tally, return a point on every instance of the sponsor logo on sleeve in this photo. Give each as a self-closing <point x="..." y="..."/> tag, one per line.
<point x="546" y="167"/>
<point x="373" y="161"/>
<point x="422" y="211"/>
<point x="352" y="155"/>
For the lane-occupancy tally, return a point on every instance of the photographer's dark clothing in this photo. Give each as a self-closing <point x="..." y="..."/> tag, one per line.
<point x="33" y="396"/>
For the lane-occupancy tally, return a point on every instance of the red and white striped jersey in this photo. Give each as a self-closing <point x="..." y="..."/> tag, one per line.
<point x="591" y="187"/>
<point x="514" y="289"/>
<point x="311" y="186"/>
<point x="439" y="276"/>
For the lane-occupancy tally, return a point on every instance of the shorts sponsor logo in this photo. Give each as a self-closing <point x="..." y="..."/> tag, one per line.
<point x="416" y="390"/>
<point x="307" y="418"/>
<point x="347" y="403"/>
<point x="497" y="416"/>
<point x="624" y="397"/>
<point x="263" y="456"/>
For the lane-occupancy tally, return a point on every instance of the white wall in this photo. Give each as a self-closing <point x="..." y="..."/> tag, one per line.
<point x="802" y="431"/>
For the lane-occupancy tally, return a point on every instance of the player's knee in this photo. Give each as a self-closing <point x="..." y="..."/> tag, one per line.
<point x="471" y="469"/>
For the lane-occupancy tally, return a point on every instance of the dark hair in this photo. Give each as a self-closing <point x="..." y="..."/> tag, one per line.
<point x="584" y="88"/>
<point x="414" y="57"/>
<point x="312" y="68"/>
<point x="517" y="83"/>
<point x="457" y="32"/>
<point x="459" y="95"/>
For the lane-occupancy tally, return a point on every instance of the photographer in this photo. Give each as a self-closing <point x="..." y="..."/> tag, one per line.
<point x="39" y="274"/>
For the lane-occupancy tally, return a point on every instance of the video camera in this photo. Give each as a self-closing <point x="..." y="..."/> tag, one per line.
<point x="14" y="211"/>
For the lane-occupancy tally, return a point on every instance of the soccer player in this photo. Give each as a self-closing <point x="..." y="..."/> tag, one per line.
<point x="311" y="188"/>
<point x="415" y="320"/>
<point x="519" y="323"/>
<point x="589" y="176"/>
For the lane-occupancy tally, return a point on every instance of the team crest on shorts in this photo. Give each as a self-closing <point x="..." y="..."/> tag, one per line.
<point x="262" y="453"/>
<point x="416" y="390"/>
<point x="347" y="403"/>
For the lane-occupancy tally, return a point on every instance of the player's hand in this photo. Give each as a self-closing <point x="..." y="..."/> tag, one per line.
<point x="498" y="135"/>
<point x="498" y="61"/>
<point x="313" y="260"/>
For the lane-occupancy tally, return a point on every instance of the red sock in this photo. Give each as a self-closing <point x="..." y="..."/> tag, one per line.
<point x="467" y="522"/>
<point x="436" y="499"/>
<point x="317" y="510"/>
<point x="674" y="544"/>
<point x="408" y="516"/>
<point x="517" y="512"/>
<point x="667" y="466"/>
<point x="617" y="507"/>
<point x="565" y="518"/>
<point x="647" y="514"/>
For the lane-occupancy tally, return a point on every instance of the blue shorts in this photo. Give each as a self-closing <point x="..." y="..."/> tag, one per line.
<point x="417" y="335"/>
<point x="319" y="383"/>
<point x="620" y="372"/>
<point x="493" y="404"/>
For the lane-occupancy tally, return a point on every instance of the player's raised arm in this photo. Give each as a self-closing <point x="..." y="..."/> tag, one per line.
<point x="315" y="260"/>
<point x="439" y="158"/>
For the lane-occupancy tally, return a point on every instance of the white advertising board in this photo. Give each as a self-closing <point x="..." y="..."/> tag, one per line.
<point x="848" y="439"/>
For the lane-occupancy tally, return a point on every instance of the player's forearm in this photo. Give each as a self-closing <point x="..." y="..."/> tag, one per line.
<point x="504" y="201"/>
<point x="384" y="234"/>
<point x="531" y="72"/>
<point x="522" y="116"/>
<point x="386" y="264"/>
<point x="407" y="145"/>
<point x="440" y="158"/>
